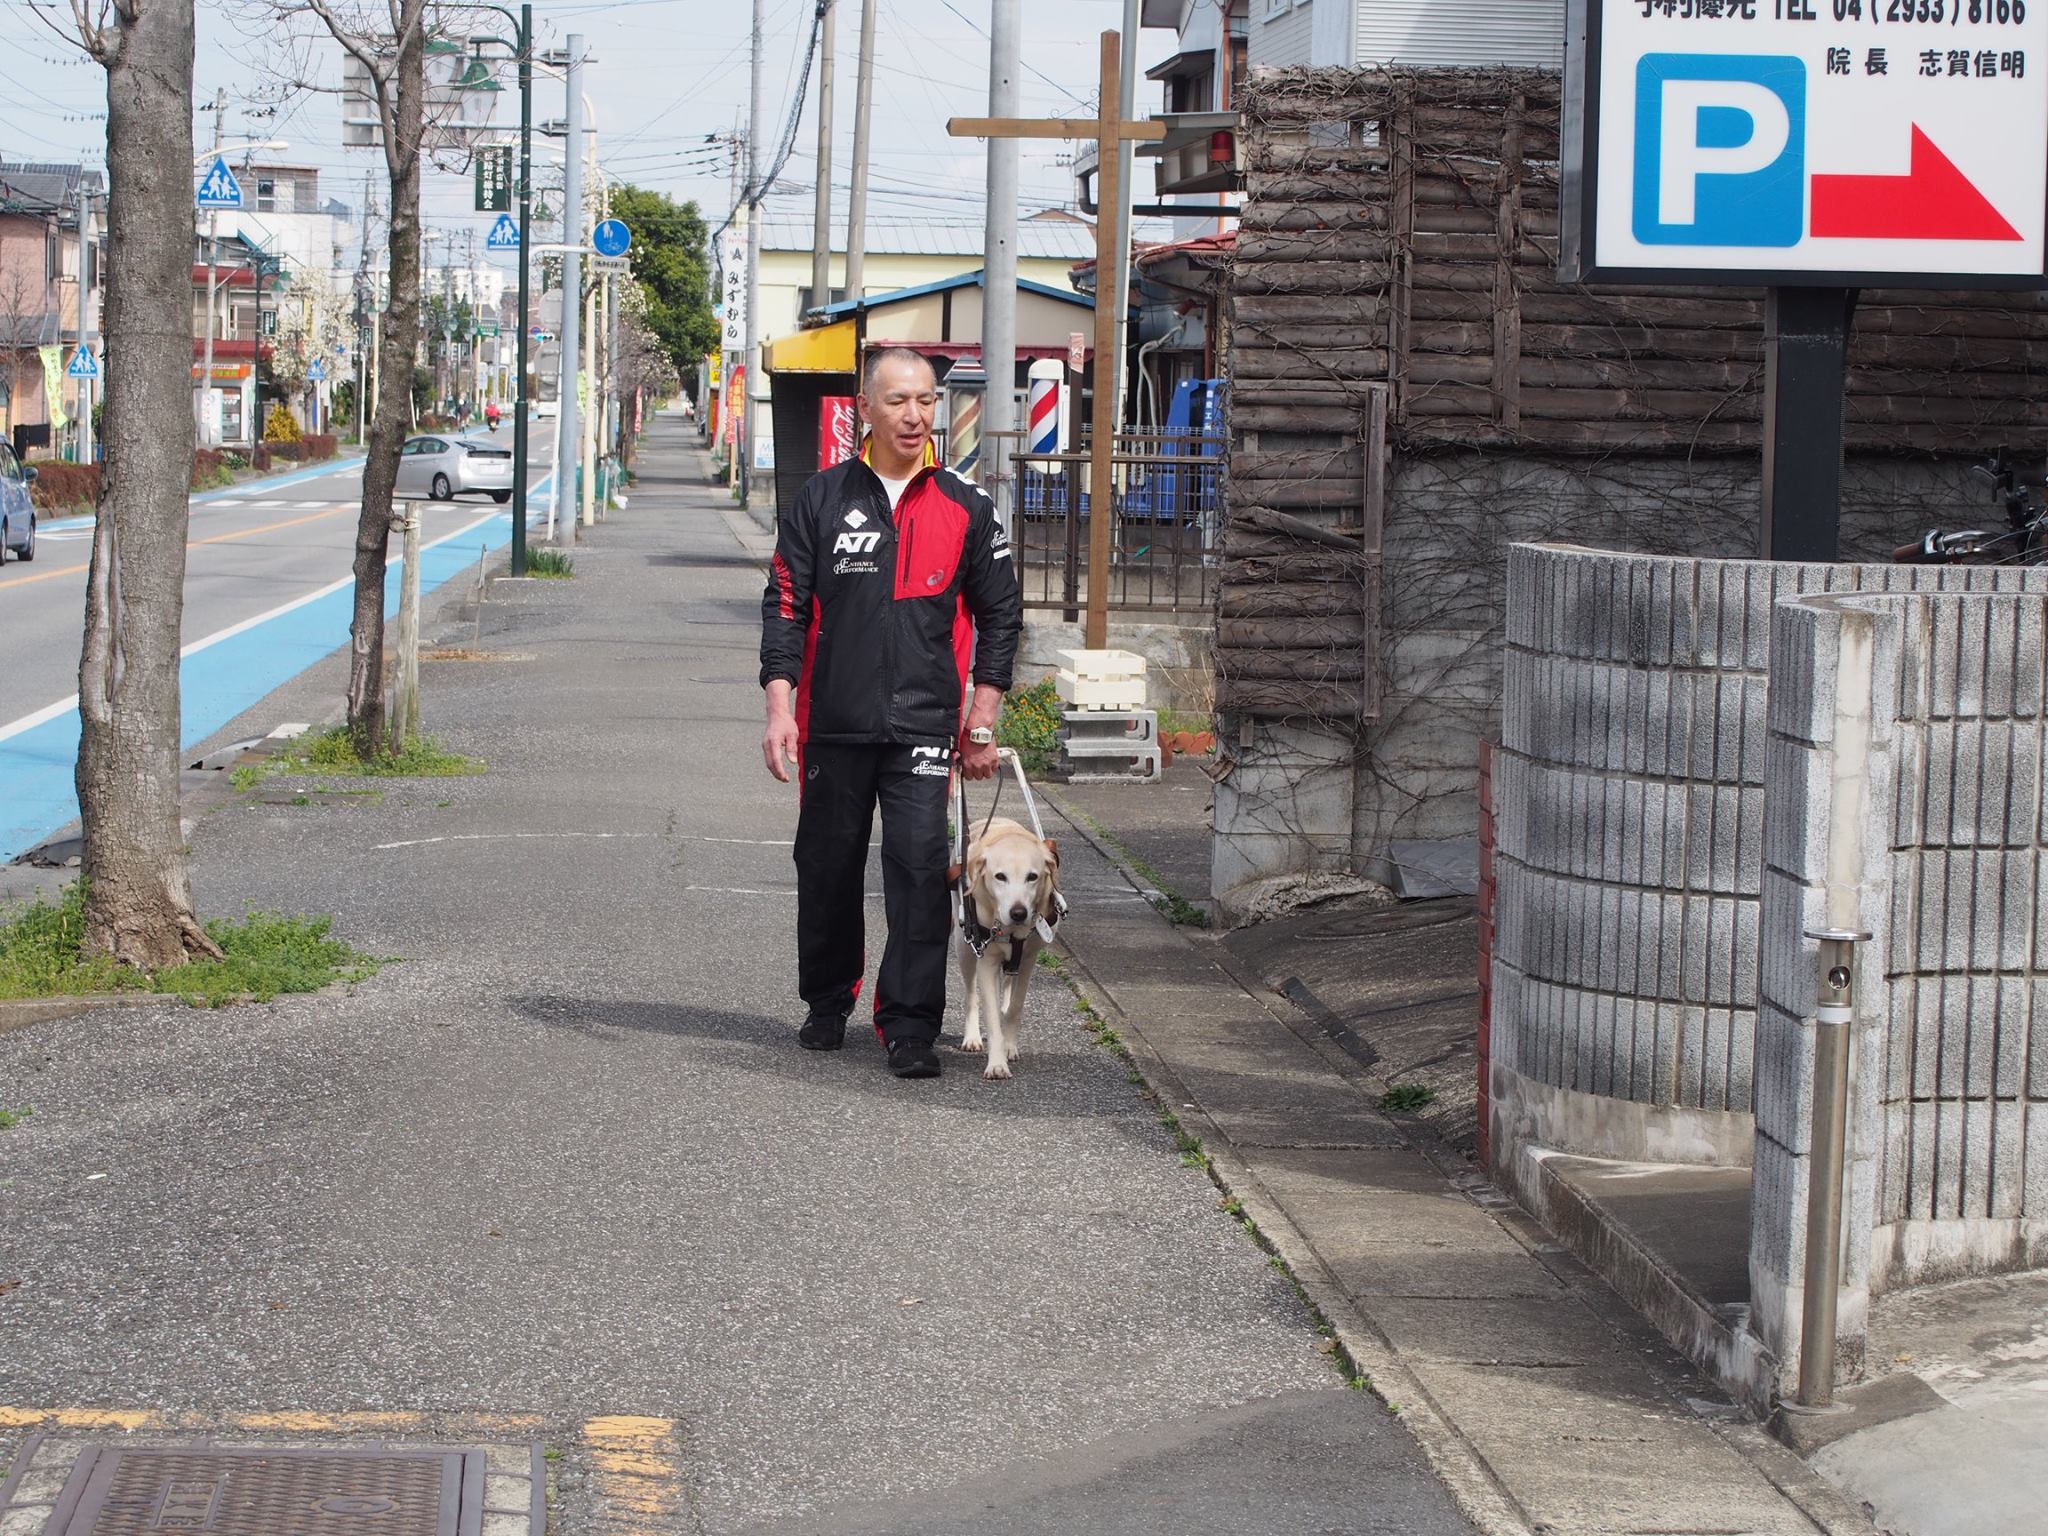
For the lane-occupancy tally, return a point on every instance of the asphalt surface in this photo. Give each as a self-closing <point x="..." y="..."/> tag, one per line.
<point x="261" y="604"/>
<point x="564" y="1158"/>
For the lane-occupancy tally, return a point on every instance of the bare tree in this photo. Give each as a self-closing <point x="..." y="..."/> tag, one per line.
<point x="138" y="884"/>
<point x="387" y="38"/>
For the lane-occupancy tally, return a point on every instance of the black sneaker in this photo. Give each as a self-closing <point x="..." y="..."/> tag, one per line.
<point x="822" y="1032"/>
<point x="913" y="1058"/>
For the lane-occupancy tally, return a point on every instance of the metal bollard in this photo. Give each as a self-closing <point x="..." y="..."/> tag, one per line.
<point x="1833" y="1017"/>
<point x="405" y="722"/>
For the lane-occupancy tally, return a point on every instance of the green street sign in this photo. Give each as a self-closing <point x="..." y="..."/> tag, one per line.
<point x="494" y="180"/>
<point x="487" y="327"/>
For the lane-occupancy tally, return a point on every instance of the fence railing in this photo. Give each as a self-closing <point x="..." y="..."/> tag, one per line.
<point x="1166" y="498"/>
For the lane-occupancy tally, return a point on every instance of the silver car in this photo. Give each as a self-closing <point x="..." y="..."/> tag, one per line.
<point x="445" y="466"/>
<point x="17" y="512"/>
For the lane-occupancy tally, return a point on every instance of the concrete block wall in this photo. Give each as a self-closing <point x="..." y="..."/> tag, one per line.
<point x="1629" y="797"/>
<point x="1906" y="761"/>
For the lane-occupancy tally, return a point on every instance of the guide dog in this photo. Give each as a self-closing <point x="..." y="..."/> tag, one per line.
<point x="1009" y="900"/>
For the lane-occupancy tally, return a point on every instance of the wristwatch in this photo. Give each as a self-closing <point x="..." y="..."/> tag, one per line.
<point x="981" y="735"/>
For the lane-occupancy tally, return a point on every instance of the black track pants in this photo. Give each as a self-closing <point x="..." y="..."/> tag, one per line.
<point x="841" y="787"/>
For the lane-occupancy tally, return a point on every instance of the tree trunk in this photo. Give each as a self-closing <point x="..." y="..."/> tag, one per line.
<point x="139" y="890"/>
<point x="394" y="405"/>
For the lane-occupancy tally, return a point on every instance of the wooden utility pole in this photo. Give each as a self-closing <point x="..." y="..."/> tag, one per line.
<point x="1109" y="129"/>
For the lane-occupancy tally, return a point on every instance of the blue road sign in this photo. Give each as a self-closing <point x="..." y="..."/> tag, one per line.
<point x="504" y="235"/>
<point x="612" y="238"/>
<point x="218" y="187"/>
<point x="83" y="365"/>
<point x="317" y="370"/>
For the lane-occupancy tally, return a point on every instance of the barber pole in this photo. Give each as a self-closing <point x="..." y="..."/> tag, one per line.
<point x="838" y="430"/>
<point x="1044" y="411"/>
<point x="965" y="386"/>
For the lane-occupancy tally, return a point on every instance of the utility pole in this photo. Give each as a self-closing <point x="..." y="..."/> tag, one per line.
<point x="821" y="205"/>
<point x="567" y="423"/>
<point x="220" y="108"/>
<point x="863" y="108"/>
<point x="999" y="268"/>
<point x="1128" y="107"/>
<point x="757" y="135"/>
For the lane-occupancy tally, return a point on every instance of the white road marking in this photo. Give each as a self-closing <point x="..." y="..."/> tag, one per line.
<point x="52" y="711"/>
<point x="503" y="837"/>
<point x="752" y="842"/>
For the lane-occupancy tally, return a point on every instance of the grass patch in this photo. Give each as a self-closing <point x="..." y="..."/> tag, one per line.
<point x="1030" y="724"/>
<point x="1406" y="1097"/>
<point x="333" y="754"/>
<point x="550" y="564"/>
<point x="264" y="954"/>
<point x="10" y="1118"/>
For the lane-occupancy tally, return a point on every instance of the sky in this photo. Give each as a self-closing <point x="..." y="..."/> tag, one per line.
<point x="663" y="75"/>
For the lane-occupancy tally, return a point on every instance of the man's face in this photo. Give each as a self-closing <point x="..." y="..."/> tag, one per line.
<point x="898" y="408"/>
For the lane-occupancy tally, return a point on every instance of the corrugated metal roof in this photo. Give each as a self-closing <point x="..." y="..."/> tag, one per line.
<point x="1059" y="239"/>
<point x="1467" y="33"/>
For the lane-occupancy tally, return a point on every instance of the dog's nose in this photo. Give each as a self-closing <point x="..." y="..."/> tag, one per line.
<point x="1019" y="912"/>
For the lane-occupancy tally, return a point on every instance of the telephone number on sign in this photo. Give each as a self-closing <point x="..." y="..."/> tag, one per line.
<point x="1997" y="13"/>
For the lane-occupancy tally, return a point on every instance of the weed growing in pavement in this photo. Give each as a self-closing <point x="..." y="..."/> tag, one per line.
<point x="1404" y="1097"/>
<point x="10" y="1118"/>
<point x="42" y="954"/>
<point x="550" y="564"/>
<point x="1175" y="907"/>
<point x="333" y="754"/>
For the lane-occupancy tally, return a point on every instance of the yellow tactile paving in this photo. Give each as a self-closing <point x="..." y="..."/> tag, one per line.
<point x="636" y="1465"/>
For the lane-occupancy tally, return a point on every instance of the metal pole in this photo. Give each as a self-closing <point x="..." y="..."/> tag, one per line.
<point x="999" y="269"/>
<point x="757" y="135"/>
<point x="206" y="438"/>
<point x="821" y="204"/>
<point x="1128" y="106"/>
<point x="586" y="498"/>
<point x="1833" y="1018"/>
<point x="520" y="433"/>
<point x="1806" y="349"/>
<point x="406" y="722"/>
<point x="863" y="106"/>
<point x="84" y="317"/>
<point x="567" y="423"/>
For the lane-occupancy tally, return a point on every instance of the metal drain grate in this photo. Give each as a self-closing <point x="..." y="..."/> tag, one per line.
<point x="297" y="1492"/>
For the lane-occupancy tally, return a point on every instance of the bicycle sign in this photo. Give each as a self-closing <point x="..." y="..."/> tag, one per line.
<point x="1824" y="142"/>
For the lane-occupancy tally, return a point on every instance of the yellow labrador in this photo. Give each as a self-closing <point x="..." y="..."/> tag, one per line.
<point x="1011" y="901"/>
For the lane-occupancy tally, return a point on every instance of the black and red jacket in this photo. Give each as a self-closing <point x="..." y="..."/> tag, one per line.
<point x="875" y="618"/>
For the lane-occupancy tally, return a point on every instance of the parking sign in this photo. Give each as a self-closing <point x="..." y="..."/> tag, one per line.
<point x="1822" y="142"/>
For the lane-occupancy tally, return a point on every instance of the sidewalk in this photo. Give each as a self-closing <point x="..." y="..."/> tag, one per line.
<point x="559" y="1177"/>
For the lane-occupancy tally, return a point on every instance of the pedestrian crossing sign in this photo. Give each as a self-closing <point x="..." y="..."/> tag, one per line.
<point x="317" y="370"/>
<point x="504" y="235"/>
<point x="218" y="188"/>
<point x="83" y="365"/>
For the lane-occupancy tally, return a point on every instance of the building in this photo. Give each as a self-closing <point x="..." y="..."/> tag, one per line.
<point x="1418" y="34"/>
<point x="247" y="286"/>
<point x="47" y="275"/>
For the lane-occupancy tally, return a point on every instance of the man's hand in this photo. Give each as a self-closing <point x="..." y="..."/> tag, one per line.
<point x="981" y="762"/>
<point x="779" y="742"/>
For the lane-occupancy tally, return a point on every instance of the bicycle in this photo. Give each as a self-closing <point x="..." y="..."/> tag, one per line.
<point x="2024" y="541"/>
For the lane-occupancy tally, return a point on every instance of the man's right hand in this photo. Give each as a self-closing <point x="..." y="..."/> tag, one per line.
<point x="779" y="744"/>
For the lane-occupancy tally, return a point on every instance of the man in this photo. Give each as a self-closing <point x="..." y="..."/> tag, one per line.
<point x="889" y="574"/>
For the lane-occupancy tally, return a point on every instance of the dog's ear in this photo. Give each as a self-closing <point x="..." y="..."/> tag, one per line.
<point x="977" y="867"/>
<point x="1052" y="852"/>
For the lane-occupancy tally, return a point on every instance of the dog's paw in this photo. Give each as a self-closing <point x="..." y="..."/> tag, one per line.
<point x="997" y="1068"/>
<point x="972" y="1045"/>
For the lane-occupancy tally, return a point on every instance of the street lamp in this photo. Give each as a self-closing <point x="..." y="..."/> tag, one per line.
<point x="521" y="47"/>
<point x="212" y="262"/>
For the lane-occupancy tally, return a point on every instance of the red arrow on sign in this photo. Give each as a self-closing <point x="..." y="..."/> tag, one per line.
<point x="1932" y="201"/>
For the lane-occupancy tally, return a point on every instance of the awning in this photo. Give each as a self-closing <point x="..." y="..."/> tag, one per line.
<point x="824" y="349"/>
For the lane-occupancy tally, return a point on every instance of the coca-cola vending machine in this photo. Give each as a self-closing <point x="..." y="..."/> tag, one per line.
<point x="838" y="430"/>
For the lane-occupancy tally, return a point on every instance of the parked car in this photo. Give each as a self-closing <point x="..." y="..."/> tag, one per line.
<point x="444" y="466"/>
<point x="17" y="512"/>
<point x="543" y="409"/>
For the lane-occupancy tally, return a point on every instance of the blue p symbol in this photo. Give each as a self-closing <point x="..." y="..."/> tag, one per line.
<point x="1720" y="150"/>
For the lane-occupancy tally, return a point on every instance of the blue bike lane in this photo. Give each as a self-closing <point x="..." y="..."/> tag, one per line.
<point x="220" y="676"/>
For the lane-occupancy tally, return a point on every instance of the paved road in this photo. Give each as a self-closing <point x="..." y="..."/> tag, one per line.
<point x="565" y="1160"/>
<point x="266" y="595"/>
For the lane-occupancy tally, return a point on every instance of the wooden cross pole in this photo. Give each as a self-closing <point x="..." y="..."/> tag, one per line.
<point x="1109" y="129"/>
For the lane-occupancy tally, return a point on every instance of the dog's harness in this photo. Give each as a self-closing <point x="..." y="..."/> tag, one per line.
<point x="977" y="935"/>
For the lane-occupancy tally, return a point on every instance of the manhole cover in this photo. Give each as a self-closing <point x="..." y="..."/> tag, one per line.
<point x="272" y="1493"/>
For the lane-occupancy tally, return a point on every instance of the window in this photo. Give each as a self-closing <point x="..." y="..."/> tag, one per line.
<point x="266" y="194"/>
<point x="9" y="469"/>
<point x="1276" y="8"/>
<point x="806" y="300"/>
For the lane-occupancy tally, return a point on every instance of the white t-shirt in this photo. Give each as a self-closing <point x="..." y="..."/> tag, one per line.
<point x="895" y="488"/>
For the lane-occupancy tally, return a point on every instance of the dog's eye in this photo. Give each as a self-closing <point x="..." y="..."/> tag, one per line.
<point x="1002" y="879"/>
<point x="1032" y="877"/>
